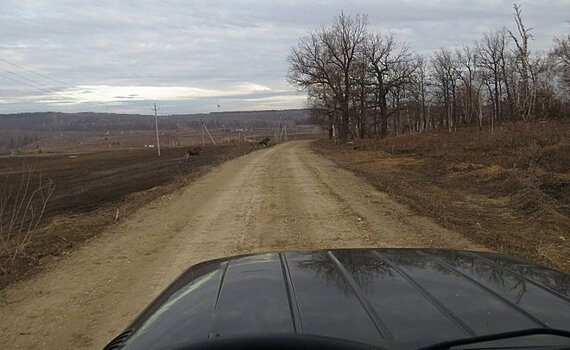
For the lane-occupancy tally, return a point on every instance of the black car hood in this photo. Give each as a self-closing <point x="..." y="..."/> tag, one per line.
<point x="385" y="297"/>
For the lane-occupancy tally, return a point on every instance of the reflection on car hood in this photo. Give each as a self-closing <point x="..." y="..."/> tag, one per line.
<point x="385" y="297"/>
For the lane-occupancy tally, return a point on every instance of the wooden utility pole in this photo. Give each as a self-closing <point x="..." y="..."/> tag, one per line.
<point x="208" y="131"/>
<point x="202" y="131"/>
<point x="156" y="127"/>
<point x="253" y="127"/>
<point x="209" y="135"/>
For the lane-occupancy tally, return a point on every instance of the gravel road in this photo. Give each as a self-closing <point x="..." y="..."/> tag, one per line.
<point x="280" y="198"/>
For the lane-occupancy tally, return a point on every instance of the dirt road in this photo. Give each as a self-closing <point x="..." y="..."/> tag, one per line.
<point x="283" y="197"/>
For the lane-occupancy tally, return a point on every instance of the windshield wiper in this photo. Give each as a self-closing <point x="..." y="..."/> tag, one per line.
<point x="497" y="336"/>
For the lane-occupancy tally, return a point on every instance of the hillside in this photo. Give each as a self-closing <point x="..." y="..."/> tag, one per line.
<point x="90" y="121"/>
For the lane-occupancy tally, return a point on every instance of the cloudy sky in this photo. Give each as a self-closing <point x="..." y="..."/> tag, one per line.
<point x="202" y="56"/>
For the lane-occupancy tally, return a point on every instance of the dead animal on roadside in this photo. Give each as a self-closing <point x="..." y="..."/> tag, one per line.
<point x="192" y="152"/>
<point x="264" y="142"/>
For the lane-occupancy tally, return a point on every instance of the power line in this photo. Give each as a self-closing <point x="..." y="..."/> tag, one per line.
<point x="106" y="104"/>
<point x="46" y="88"/>
<point x="32" y="80"/>
<point x="44" y="91"/>
<point x="22" y="82"/>
<point x="49" y="78"/>
<point x="40" y="74"/>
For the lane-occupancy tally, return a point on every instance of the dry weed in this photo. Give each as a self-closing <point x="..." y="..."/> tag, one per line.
<point x="21" y="210"/>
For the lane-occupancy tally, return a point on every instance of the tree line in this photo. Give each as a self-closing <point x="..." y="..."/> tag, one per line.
<point x="367" y="84"/>
<point x="11" y="142"/>
<point x="90" y="121"/>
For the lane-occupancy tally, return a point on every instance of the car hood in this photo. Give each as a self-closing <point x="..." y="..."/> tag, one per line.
<point x="385" y="297"/>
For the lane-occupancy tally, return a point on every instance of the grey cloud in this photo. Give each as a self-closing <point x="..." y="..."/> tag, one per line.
<point x="212" y="44"/>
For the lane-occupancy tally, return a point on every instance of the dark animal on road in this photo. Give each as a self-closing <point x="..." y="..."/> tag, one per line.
<point x="192" y="152"/>
<point x="265" y="142"/>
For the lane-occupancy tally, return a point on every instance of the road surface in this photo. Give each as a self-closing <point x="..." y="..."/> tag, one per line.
<point x="279" y="198"/>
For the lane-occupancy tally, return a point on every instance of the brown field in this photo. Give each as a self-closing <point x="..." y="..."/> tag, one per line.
<point x="508" y="190"/>
<point x="94" y="189"/>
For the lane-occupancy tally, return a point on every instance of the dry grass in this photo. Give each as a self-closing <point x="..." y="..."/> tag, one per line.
<point x="22" y="207"/>
<point x="509" y="190"/>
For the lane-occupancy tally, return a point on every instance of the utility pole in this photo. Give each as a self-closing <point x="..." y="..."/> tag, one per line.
<point x="208" y="131"/>
<point x="202" y="131"/>
<point x="156" y="126"/>
<point x="253" y="127"/>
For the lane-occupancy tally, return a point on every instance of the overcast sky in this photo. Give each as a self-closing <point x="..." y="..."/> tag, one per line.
<point x="203" y="56"/>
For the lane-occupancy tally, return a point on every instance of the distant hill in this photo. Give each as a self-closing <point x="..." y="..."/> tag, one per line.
<point x="89" y="121"/>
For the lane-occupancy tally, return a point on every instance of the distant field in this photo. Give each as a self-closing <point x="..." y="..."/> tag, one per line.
<point x="56" y="131"/>
<point x="89" y="141"/>
<point x="509" y="190"/>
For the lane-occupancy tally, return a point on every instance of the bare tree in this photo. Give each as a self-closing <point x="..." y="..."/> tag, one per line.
<point x="323" y="107"/>
<point x="445" y="74"/>
<point x="548" y="104"/>
<point x="491" y="59"/>
<point x="362" y="96"/>
<point x="561" y="55"/>
<point x="526" y="69"/>
<point x="311" y="70"/>
<point x="468" y="73"/>
<point x="327" y="58"/>
<point x="391" y="65"/>
<point x="419" y="91"/>
<point x="342" y="41"/>
<point x="361" y="84"/>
